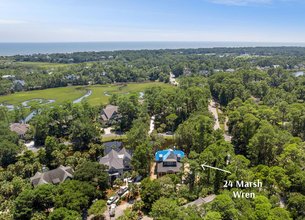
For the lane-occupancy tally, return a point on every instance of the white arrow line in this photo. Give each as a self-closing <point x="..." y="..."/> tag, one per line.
<point x="215" y="168"/>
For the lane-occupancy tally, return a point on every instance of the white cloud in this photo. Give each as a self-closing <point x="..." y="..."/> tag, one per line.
<point x="241" y="2"/>
<point x="11" y="22"/>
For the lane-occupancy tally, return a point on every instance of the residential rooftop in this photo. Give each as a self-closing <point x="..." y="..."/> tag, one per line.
<point x="112" y="145"/>
<point x="54" y="176"/>
<point x="164" y="154"/>
<point x="109" y="111"/>
<point x="116" y="160"/>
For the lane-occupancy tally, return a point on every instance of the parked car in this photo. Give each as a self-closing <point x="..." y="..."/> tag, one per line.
<point x="112" y="199"/>
<point x="122" y="190"/>
<point x="128" y="180"/>
<point x="112" y="210"/>
<point x="137" y="179"/>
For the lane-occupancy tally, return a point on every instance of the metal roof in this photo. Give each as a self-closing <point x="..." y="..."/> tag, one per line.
<point x="162" y="155"/>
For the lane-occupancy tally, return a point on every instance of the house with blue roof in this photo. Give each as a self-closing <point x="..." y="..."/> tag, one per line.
<point x="168" y="161"/>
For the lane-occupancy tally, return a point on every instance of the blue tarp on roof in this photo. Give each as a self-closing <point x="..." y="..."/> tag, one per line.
<point x="165" y="153"/>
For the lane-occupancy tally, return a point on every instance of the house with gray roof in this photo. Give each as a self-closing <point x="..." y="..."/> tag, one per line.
<point x="109" y="113"/>
<point x="112" y="145"/>
<point x="54" y="176"/>
<point x="18" y="85"/>
<point x="168" y="161"/>
<point x="200" y="201"/>
<point x="118" y="161"/>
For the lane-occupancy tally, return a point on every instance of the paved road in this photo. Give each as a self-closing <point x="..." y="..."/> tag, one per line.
<point x="119" y="211"/>
<point x="151" y="124"/>
<point x="152" y="175"/>
<point x="108" y="130"/>
<point x="213" y="110"/>
<point x="227" y="137"/>
<point x="209" y="198"/>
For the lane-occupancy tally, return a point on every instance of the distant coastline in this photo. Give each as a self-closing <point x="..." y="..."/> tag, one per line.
<point x="9" y="49"/>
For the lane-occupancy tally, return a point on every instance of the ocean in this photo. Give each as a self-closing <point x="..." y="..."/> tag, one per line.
<point x="9" y="49"/>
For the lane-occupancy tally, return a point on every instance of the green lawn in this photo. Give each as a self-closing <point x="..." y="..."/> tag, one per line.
<point x="100" y="92"/>
<point x="115" y="138"/>
<point x="71" y="93"/>
<point x="59" y="94"/>
<point x="42" y="64"/>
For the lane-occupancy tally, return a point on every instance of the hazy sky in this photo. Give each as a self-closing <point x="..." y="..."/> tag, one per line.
<point x="152" y="20"/>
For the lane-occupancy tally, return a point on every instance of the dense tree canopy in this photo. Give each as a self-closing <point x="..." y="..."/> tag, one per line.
<point x="93" y="173"/>
<point x="261" y="116"/>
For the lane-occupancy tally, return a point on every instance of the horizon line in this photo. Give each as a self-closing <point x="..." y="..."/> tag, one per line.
<point x="158" y="41"/>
